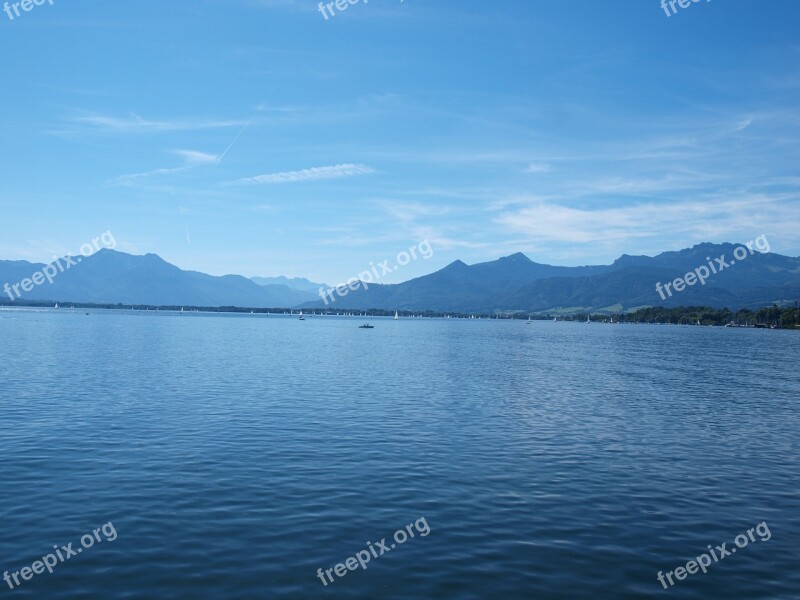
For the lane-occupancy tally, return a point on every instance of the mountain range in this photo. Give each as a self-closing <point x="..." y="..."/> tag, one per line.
<point x="516" y="283"/>
<point x="296" y="283"/>
<point x="512" y="283"/>
<point x="110" y="277"/>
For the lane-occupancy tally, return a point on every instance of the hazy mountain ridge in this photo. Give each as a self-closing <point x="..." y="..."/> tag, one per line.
<point x="307" y="291"/>
<point x="516" y="283"/>
<point x="115" y="277"/>
<point x="511" y="283"/>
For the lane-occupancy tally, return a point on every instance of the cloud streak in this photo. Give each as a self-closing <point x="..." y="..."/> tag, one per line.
<point x="191" y="158"/>
<point x="698" y="221"/>
<point x="194" y="157"/>
<point x="313" y="174"/>
<point x="133" y="123"/>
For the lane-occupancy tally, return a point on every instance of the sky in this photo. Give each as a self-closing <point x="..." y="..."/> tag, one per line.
<point x="263" y="138"/>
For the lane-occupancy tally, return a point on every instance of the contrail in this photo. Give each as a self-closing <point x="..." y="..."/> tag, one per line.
<point x="183" y="212"/>
<point x="238" y="135"/>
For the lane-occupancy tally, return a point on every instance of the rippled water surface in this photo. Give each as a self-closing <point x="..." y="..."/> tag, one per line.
<point x="236" y="455"/>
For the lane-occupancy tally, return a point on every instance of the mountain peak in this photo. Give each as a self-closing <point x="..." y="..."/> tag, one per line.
<point x="518" y="257"/>
<point x="630" y="259"/>
<point x="456" y="264"/>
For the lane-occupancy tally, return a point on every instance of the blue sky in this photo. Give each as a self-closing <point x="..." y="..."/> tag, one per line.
<point x="257" y="137"/>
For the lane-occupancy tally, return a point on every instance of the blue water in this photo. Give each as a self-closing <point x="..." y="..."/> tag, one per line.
<point x="237" y="454"/>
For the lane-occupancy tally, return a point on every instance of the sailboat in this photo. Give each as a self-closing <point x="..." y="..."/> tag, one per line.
<point x="56" y="306"/>
<point x="529" y="321"/>
<point x="588" y="319"/>
<point x="396" y="316"/>
<point x="302" y="318"/>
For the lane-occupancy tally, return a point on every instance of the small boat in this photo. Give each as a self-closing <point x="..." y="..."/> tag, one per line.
<point x="530" y="322"/>
<point x="555" y="319"/>
<point x="396" y="316"/>
<point x="366" y="326"/>
<point x="588" y="319"/>
<point x="56" y="306"/>
<point x="302" y="318"/>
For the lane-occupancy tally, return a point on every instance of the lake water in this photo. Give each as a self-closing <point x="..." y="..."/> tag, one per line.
<point x="236" y="455"/>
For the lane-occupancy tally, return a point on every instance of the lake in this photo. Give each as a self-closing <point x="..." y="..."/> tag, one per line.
<point x="237" y="455"/>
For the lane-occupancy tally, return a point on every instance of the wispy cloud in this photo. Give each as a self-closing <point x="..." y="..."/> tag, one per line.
<point x="410" y="211"/>
<point x="538" y="168"/>
<point x="133" y="123"/>
<point x="193" y="157"/>
<point x="358" y="240"/>
<point x="313" y="174"/>
<point x="133" y="177"/>
<point x="681" y="221"/>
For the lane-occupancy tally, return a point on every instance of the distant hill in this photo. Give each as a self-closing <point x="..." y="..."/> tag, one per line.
<point x="115" y="277"/>
<point x="515" y="283"/>
<point x="512" y="283"/>
<point x="299" y="284"/>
